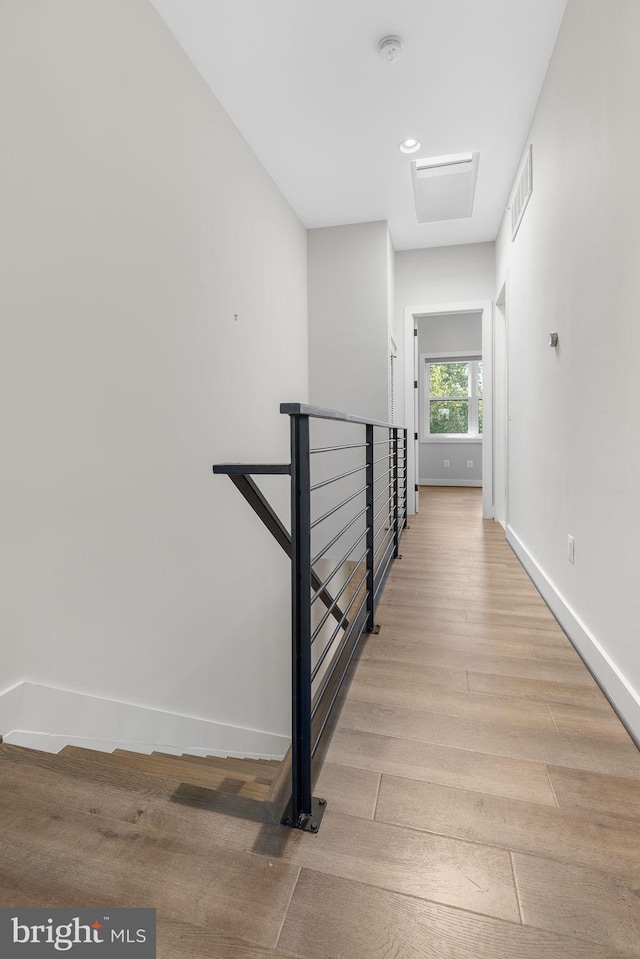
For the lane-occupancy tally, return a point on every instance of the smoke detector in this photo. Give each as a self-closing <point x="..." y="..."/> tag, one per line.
<point x="390" y="49"/>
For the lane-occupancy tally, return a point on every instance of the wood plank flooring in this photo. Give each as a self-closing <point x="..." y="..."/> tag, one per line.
<point x="483" y="798"/>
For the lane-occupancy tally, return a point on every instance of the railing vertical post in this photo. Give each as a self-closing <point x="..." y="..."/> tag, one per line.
<point x="301" y="806"/>
<point x="406" y="479"/>
<point x="369" y="623"/>
<point x="396" y="523"/>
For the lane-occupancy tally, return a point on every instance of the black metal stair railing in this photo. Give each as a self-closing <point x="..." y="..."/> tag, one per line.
<point x="349" y="587"/>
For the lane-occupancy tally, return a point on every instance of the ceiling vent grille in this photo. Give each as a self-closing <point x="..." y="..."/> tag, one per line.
<point x="522" y="193"/>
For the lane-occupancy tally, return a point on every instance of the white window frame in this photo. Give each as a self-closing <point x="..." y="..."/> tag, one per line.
<point x="426" y="361"/>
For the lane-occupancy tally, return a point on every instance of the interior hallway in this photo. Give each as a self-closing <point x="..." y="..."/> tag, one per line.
<point x="484" y="800"/>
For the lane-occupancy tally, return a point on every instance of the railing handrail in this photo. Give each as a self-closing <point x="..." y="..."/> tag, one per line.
<point x="318" y="412"/>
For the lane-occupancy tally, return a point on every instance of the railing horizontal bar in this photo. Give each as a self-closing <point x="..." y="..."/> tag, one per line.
<point x="382" y="571"/>
<point x="332" y="449"/>
<point x="323" y="655"/>
<point x="318" y="412"/>
<point x="338" y="536"/>
<point x="383" y="508"/>
<point x="337" y="599"/>
<point x="385" y="560"/>
<point x="381" y="493"/>
<point x="390" y="530"/>
<point x="384" y="476"/>
<point x="386" y="502"/>
<point x="255" y="469"/>
<point x="256" y="500"/>
<point x="382" y="529"/>
<point x="382" y="459"/>
<point x="339" y="506"/>
<point x="346" y="556"/>
<point x="383" y="442"/>
<point x="334" y="479"/>
<point x="355" y="628"/>
<point x="314" y="671"/>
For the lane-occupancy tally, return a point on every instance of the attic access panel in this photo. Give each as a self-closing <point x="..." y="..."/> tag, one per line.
<point x="444" y="187"/>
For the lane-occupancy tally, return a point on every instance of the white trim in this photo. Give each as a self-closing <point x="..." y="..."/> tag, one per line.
<point x="618" y="690"/>
<point x="451" y="438"/>
<point x="501" y="336"/>
<point x="9" y="706"/>
<point x="472" y="354"/>
<point x="411" y="313"/>
<point x="47" y="718"/>
<point x="453" y="482"/>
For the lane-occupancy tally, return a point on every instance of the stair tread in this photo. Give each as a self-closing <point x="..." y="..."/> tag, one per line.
<point x="87" y="774"/>
<point x="231" y="769"/>
<point x="174" y="769"/>
<point x="247" y="768"/>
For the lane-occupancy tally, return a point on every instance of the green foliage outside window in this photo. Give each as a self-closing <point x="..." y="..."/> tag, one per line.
<point x="452" y="382"/>
<point x="449" y="379"/>
<point x="449" y="416"/>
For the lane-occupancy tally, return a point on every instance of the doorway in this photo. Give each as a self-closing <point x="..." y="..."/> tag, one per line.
<point x="414" y="395"/>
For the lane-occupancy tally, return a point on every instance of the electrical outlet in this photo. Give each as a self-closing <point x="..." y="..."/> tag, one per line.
<point x="469" y="463"/>
<point x="446" y="464"/>
<point x="571" y="552"/>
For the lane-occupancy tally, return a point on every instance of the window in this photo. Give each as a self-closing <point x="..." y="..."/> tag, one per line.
<point x="453" y="395"/>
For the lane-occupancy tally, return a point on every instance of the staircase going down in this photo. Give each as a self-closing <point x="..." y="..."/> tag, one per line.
<point x="251" y="778"/>
<point x="202" y="779"/>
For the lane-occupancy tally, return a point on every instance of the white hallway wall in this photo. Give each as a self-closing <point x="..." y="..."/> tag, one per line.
<point x="135" y="223"/>
<point x="350" y="289"/>
<point x="573" y="268"/>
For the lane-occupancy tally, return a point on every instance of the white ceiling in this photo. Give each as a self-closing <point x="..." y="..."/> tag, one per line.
<point x="303" y="82"/>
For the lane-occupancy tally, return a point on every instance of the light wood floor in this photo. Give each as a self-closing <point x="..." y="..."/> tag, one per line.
<point x="484" y="800"/>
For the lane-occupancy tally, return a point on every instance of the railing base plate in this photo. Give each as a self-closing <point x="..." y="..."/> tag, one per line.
<point x="306" y="823"/>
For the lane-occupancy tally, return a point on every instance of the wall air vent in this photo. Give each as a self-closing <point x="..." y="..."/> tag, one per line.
<point x="522" y="193"/>
<point x="444" y="187"/>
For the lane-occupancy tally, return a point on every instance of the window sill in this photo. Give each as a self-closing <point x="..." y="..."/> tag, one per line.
<point x="443" y="438"/>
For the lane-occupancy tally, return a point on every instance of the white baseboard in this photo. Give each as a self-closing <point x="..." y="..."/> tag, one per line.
<point x="9" y="706"/>
<point x="45" y="718"/>
<point x="620" y="693"/>
<point x="450" y="482"/>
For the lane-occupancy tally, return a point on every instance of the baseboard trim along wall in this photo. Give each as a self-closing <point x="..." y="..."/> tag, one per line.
<point x="613" y="683"/>
<point x="41" y="717"/>
<point x="9" y="706"/>
<point x="452" y="482"/>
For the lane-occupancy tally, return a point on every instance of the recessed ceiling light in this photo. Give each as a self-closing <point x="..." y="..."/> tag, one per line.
<point x="409" y="146"/>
